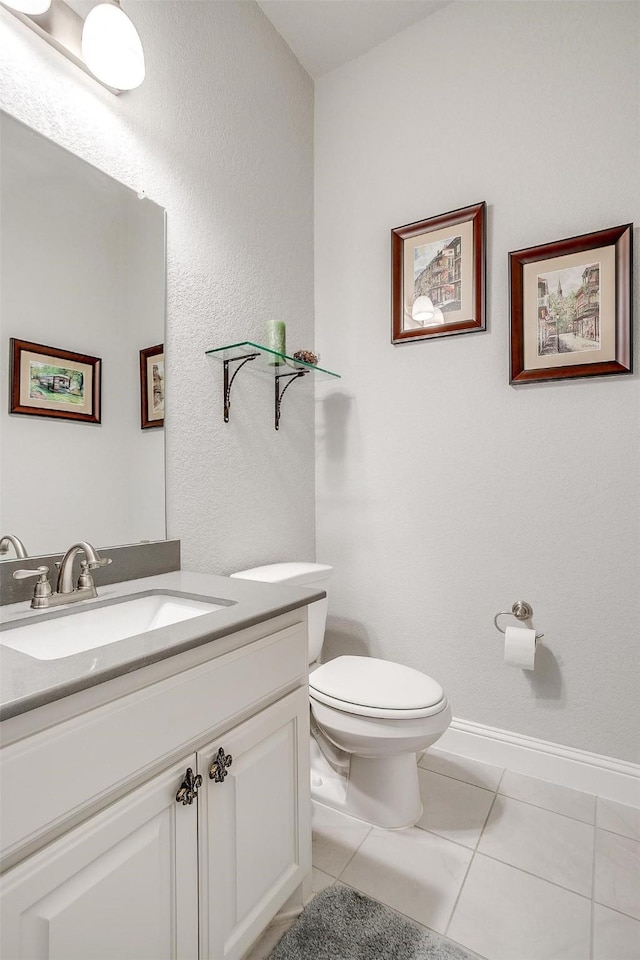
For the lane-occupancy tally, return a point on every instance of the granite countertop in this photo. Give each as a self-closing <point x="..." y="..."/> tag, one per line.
<point x="27" y="683"/>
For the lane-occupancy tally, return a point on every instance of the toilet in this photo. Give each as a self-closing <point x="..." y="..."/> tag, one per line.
<point x="369" y="718"/>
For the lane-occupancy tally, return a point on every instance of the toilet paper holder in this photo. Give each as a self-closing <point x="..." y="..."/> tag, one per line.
<point x="521" y="610"/>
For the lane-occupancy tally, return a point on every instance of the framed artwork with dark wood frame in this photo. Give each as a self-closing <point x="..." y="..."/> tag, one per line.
<point x="152" y="386"/>
<point x="50" y="382"/>
<point x="438" y="276"/>
<point x="571" y="313"/>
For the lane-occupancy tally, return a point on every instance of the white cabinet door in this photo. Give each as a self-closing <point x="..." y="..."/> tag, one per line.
<point x="123" y="886"/>
<point x="255" y="846"/>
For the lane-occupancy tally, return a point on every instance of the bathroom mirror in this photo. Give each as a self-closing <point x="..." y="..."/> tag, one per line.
<point x="82" y="271"/>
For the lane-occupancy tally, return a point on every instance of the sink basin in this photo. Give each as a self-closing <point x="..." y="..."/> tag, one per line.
<point x="76" y="630"/>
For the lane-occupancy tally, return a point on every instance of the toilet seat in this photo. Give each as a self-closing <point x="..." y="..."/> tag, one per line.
<point x="369" y="687"/>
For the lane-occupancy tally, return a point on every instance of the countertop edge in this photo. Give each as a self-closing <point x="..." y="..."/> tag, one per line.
<point x="251" y="603"/>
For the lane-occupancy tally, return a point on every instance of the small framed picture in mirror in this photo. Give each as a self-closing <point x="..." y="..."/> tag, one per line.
<point x="152" y="386"/>
<point x="51" y="382"/>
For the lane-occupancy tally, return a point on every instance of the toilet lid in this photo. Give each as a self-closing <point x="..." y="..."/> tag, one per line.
<point x="379" y="684"/>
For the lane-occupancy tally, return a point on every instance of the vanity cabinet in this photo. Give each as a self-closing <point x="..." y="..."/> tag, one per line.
<point x="147" y="877"/>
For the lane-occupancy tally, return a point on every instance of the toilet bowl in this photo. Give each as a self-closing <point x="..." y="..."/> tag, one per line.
<point x="370" y="718"/>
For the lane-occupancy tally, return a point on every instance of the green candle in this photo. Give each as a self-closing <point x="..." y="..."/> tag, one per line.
<point x="276" y="336"/>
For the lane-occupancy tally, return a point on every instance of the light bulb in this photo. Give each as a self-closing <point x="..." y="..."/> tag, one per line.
<point x="422" y="310"/>
<point x="111" y="47"/>
<point x="32" y="8"/>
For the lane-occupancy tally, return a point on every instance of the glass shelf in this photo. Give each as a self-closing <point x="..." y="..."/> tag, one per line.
<point x="268" y="360"/>
<point x="270" y="363"/>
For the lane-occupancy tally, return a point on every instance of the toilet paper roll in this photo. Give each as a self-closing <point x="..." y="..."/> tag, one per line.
<point x="520" y="647"/>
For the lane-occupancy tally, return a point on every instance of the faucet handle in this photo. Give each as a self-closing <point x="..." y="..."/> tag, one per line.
<point x="38" y="572"/>
<point x="86" y="566"/>
<point x="42" y="590"/>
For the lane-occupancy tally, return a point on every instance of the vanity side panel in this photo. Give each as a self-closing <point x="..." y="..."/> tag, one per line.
<point x="50" y="777"/>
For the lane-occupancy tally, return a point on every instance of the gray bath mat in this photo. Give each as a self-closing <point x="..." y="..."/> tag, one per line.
<point x="342" y="924"/>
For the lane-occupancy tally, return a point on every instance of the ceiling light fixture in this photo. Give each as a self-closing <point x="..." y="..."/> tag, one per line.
<point x="106" y="45"/>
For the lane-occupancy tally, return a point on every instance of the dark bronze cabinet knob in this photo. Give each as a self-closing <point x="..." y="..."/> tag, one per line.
<point x="189" y="788"/>
<point x="218" y="769"/>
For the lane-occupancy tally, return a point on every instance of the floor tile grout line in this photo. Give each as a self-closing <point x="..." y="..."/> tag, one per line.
<point x="461" y="780"/>
<point x="475" y="849"/>
<point x="367" y="834"/>
<point x="446" y="776"/>
<point x="629" y="916"/>
<point x="473" y="856"/>
<point x="458" y="843"/>
<point x="554" y="883"/>
<point x="615" y="833"/>
<point x="527" y="872"/>
<point x="455" y="903"/>
<point x="498" y="785"/>
<point x="548" y="809"/>
<point x="538" y="806"/>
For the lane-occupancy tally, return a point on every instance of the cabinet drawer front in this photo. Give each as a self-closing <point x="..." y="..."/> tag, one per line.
<point x="49" y="777"/>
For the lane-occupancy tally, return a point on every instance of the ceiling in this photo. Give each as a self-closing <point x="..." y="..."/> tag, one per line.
<point x="324" y="34"/>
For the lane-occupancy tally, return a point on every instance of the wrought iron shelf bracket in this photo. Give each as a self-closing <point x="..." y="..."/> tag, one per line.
<point x="228" y="381"/>
<point x="279" y="394"/>
<point x="266" y="362"/>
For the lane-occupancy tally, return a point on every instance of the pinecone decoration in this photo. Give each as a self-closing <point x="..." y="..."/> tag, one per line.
<point x="307" y="356"/>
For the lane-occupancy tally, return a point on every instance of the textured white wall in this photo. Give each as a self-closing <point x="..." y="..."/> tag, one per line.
<point x="221" y="135"/>
<point x="443" y="493"/>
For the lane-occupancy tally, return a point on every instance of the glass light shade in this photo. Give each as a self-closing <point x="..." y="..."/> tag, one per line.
<point x="111" y="47"/>
<point x="422" y="310"/>
<point x="437" y="318"/>
<point x="32" y="8"/>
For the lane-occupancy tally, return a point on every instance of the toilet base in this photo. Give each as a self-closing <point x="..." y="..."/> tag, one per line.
<point x="383" y="791"/>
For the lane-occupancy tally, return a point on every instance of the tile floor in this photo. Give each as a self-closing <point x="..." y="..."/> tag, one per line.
<point x="511" y="867"/>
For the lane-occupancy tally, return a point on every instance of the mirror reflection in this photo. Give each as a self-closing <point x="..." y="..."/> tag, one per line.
<point x="82" y="308"/>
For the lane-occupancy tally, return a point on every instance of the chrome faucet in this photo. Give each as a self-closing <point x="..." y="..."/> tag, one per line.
<point x="16" y="543"/>
<point x="66" y="592"/>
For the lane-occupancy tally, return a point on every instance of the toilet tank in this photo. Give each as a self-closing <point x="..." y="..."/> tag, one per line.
<point x="299" y="575"/>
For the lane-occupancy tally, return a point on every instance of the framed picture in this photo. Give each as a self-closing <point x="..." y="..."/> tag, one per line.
<point x="571" y="307"/>
<point x="49" y="382"/>
<point x="438" y="276"/>
<point x="152" y="386"/>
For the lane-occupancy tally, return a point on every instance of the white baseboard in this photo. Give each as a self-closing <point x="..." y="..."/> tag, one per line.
<point x="287" y="916"/>
<point x="604" y="776"/>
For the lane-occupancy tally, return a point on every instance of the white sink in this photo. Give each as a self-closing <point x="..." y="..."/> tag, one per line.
<point x="80" y="630"/>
